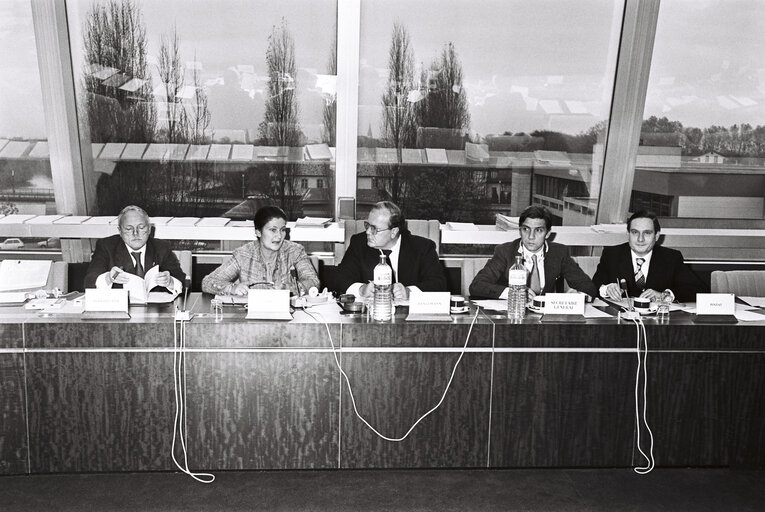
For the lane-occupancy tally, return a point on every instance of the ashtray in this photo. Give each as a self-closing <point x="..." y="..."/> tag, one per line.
<point x="353" y="307"/>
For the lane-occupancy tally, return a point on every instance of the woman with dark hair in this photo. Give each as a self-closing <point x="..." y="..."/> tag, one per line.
<point x="270" y="261"/>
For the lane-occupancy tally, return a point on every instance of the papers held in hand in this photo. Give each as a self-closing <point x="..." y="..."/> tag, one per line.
<point x="140" y="288"/>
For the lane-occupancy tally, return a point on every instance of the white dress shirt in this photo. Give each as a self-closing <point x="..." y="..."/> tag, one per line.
<point x="101" y="280"/>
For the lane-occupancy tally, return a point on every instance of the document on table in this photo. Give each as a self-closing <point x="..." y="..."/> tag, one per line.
<point x="758" y="302"/>
<point x="749" y="316"/>
<point x="593" y="312"/>
<point x="492" y="304"/>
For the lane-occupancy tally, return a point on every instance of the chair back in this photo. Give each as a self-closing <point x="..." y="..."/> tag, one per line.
<point x="470" y="267"/>
<point x="427" y="229"/>
<point x="740" y="282"/>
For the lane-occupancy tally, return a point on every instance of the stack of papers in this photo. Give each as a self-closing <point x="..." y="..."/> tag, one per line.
<point x="461" y="226"/>
<point x="313" y="222"/>
<point x="213" y="222"/>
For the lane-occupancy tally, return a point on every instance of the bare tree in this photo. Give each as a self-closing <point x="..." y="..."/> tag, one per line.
<point x="398" y="122"/>
<point x="280" y="125"/>
<point x="329" y="114"/>
<point x="118" y="101"/>
<point x="115" y="49"/>
<point x="171" y="74"/>
<point x="446" y="103"/>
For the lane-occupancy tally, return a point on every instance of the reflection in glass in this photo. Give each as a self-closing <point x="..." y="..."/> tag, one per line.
<point x="207" y="108"/>
<point x="469" y="109"/>
<point x="26" y="184"/>
<point x="702" y="143"/>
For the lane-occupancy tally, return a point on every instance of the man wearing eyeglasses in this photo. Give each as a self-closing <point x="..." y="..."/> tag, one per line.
<point x="545" y="261"/>
<point x="133" y="252"/>
<point x="413" y="258"/>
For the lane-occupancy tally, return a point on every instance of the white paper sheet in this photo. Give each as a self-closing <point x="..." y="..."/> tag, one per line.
<point x="754" y="301"/>
<point x="492" y="304"/>
<point x="749" y="316"/>
<point x="592" y="312"/>
<point x="22" y="274"/>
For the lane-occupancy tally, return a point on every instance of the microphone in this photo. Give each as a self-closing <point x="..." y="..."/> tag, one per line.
<point x="184" y="315"/>
<point x="186" y="286"/>
<point x="623" y="287"/>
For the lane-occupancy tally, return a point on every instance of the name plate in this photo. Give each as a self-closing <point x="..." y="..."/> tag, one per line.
<point x="106" y="299"/>
<point x="564" y="304"/>
<point x="268" y="301"/>
<point x="715" y="304"/>
<point x="429" y="303"/>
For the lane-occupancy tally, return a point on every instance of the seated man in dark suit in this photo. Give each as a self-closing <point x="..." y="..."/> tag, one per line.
<point x="545" y="261"/>
<point x="132" y="251"/>
<point x="648" y="269"/>
<point x="413" y="258"/>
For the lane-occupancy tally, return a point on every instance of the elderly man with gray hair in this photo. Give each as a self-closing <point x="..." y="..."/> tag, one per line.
<point x="133" y="251"/>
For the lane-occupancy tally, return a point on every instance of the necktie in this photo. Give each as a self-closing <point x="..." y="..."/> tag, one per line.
<point x="534" y="283"/>
<point x="138" y="267"/>
<point x="390" y="264"/>
<point x="639" y="277"/>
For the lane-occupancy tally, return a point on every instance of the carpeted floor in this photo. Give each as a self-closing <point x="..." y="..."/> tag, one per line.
<point x="695" y="490"/>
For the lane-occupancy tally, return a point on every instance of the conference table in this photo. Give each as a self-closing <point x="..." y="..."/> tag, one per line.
<point x="99" y="395"/>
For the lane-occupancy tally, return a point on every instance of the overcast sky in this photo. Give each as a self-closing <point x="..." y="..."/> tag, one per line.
<point x="518" y="56"/>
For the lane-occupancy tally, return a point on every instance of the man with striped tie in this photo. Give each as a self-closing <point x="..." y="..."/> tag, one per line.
<point x="648" y="269"/>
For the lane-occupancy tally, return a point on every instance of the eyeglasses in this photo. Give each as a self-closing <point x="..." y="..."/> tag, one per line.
<point x="374" y="229"/>
<point x="137" y="230"/>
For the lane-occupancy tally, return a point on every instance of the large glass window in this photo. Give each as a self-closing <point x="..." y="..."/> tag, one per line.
<point x="26" y="185"/>
<point x="208" y="108"/>
<point x="469" y="109"/>
<point x="702" y="144"/>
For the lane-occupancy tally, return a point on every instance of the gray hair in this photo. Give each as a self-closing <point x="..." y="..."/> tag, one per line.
<point x="132" y="208"/>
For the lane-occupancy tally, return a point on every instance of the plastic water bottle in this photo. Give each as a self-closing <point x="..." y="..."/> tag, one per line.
<point x="383" y="300"/>
<point x="516" y="297"/>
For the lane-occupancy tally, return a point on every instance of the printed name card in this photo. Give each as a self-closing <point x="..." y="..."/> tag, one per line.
<point x="715" y="304"/>
<point x="429" y="303"/>
<point x="106" y="299"/>
<point x="564" y="304"/>
<point x="268" y="301"/>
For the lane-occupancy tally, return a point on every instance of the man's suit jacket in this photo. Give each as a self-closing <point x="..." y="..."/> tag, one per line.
<point x="111" y="252"/>
<point x="667" y="270"/>
<point x="491" y="281"/>
<point x="418" y="264"/>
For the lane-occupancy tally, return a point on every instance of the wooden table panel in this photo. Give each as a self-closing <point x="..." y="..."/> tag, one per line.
<point x="392" y="390"/>
<point x="562" y="409"/>
<point x="100" y="411"/>
<point x="263" y="410"/>
<point x="13" y="433"/>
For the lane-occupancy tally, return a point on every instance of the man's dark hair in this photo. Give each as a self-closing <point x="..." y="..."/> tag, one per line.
<point x="264" y="215"/>
<point x="536" y="212"/>
<point x="397" y="219"/>
<point x="644" y="214"/>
